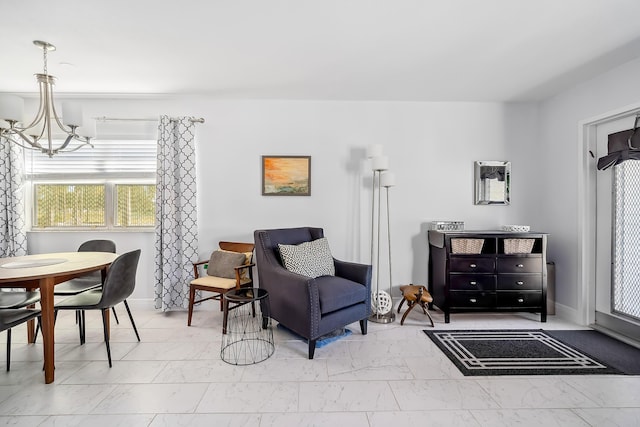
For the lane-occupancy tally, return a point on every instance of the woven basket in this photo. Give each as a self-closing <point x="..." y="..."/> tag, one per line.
<point x="518" y="246"/>
<point x="466" y="246"/>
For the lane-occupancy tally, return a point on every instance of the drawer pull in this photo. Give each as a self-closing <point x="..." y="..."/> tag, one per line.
<point x="473" y="265"/>
<point x="520" y="265"/>
<point x="520" y="282"/>
<point x="473" y="283"/>
<point x="473" y="300"/>
<point x="520" y="300"/>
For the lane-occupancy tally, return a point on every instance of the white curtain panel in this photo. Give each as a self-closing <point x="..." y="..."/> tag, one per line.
<point x="176" y="233"/>
<point x="13" y="235"/>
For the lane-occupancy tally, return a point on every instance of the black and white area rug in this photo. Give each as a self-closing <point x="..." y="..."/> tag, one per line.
<point x="534" y="352"/>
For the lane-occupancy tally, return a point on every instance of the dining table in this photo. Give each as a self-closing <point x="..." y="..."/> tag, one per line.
<point x="43" y="272"/>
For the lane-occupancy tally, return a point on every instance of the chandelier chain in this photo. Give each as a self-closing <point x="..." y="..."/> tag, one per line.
<point x="44" y="50"/>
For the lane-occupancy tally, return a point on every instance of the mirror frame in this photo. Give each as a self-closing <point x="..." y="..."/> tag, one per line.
<point x="480" y="198"/>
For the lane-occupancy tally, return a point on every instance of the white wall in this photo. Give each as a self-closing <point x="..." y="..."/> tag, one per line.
<point x="432" y="147"/>
<point x="557" y="188"/>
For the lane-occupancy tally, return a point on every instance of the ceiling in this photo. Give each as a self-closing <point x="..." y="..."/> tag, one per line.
<point x="410" y="50"/>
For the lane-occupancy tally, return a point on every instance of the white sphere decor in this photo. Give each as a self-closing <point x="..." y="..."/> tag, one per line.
<point x="381" y="303"/>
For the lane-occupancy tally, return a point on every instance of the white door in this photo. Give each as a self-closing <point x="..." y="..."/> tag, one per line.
<point x="617" y="296"/>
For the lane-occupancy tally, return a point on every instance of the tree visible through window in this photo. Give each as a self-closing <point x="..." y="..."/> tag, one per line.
<point x="135" y="205"/>
<point x="69" y="205"/>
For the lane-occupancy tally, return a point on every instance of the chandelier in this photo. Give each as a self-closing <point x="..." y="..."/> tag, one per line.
<point x="40" y="133"/>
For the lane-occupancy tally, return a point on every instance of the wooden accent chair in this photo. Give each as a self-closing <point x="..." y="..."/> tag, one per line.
<point x="228" y="268"/>
<point x="415" y="295"/>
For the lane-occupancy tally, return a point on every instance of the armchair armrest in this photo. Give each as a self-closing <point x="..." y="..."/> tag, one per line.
<point x="242" y="267"/>
<point x="293" y="296"/>
<point x="238" y="271"/>
<point x="196" y="273"/>
<point x="359" y="273"/>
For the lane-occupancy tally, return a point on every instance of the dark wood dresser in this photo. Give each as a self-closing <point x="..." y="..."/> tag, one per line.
<point x="488" y="271"/>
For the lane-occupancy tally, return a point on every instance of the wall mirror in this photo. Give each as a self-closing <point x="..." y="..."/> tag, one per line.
<point x="492" y="182"/>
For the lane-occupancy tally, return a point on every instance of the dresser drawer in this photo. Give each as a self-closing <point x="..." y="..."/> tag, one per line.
<point x="461" y="299"/>
<point x="520" y="265"/>
<point x="472" y="282"/>
<point x="471" y="265"/>
<point x="519" y="299"/>
<point x="520" y="282"/>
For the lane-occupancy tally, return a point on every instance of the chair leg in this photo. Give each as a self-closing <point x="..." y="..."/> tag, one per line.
<point x="8" y="349"/>
<point x="404" y="316"/>
<point x="312" y="348"/>
<point x="38" y="320"/>
<point x="225" y="315"/>
<point x="80" y="319"/>
<point x="400" y="305"/>
<point x="35" y="336"/>
<point x="131" y="318"/>
<point x="106" y="334"/>
<point x="192" y="298"/>
<point x="427" y="313"/>
<point x="115" y="315"/>
<point x="363" y="326"/>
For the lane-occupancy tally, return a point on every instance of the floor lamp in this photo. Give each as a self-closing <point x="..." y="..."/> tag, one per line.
<point x="382" y="303"/>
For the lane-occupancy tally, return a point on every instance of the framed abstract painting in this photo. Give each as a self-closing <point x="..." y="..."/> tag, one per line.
<point x="286" y="175"/>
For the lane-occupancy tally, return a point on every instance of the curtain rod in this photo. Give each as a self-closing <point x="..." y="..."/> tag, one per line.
<point x="173" y="119"/>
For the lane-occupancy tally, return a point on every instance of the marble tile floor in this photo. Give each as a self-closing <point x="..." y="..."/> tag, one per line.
<point x="392" y="376"/>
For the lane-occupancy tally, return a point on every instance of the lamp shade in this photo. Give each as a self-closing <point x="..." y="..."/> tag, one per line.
<point x="71" y="114"/>
<point x="11" y="108"/>
<point x="380" y="163"/>
<point x="88" y="129"/>
<point x="387" y="179"/>
<point x="374" y="150"/>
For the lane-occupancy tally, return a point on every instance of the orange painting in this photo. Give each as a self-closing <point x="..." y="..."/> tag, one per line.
<point x="286" y="175"/>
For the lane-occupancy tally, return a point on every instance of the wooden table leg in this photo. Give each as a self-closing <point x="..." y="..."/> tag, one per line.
<point x="46" y="305"/>
<point x="31" y="323"/>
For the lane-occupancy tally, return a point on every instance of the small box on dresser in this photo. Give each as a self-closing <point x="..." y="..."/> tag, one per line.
<point x="508" y="274"/>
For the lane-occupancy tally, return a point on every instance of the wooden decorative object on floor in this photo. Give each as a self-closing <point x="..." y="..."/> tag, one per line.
<point x="415" y="295"/>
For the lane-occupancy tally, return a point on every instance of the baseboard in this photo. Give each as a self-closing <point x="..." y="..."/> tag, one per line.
<point x="567" y="313"/>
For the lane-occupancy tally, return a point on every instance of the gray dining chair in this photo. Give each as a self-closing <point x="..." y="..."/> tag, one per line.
<point x="88" y="282"/>
<point x="18" y="298"/>
<point x="117" y="287"/>
<point x="10" y="318"/>
<point x="13" y="312"/>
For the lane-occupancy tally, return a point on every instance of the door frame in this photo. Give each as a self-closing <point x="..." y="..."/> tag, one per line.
<point x="587" y="208"/>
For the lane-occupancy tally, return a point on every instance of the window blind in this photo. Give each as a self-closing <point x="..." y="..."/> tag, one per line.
<point x="108" y="158"/>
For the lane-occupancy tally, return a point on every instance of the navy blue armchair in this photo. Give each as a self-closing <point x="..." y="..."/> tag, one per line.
<point x="311" y="307"/>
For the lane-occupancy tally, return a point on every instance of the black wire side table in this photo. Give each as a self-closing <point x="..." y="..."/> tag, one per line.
<point x="247" y="336"/>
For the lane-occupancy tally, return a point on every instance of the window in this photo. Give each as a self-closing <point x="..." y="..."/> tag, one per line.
<point x="110" y="186"/>
<point x="69" y="205"/>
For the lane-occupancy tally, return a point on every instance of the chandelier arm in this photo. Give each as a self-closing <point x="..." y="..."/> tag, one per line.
<point x="66" y="129"/>
<point x="41" y="110"/>
<point x="66" y="142"/>
<point x="78" y="147"/>
<point x="32" y="145"/>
